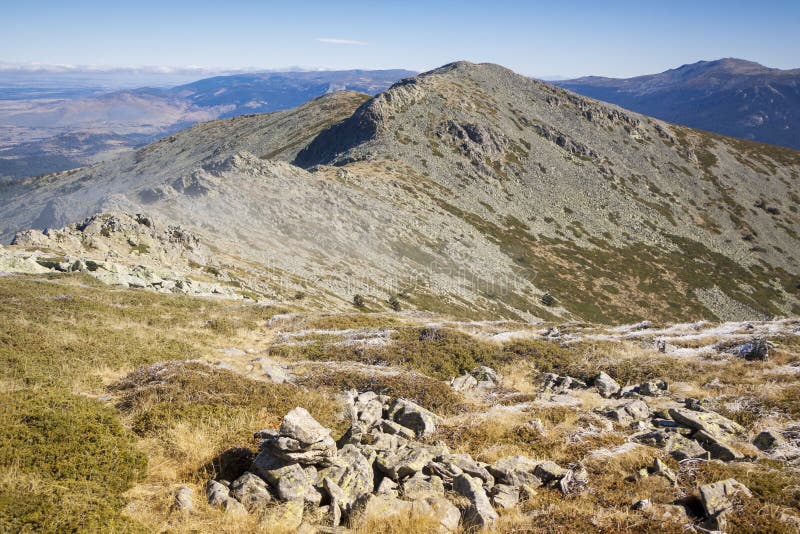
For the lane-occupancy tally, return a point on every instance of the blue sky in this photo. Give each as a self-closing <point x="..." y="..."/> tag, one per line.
<point x="615" y="38"/>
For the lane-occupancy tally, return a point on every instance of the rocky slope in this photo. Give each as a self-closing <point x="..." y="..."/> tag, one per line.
<point x="728" y="96"/>
<point x="471" y="190"/>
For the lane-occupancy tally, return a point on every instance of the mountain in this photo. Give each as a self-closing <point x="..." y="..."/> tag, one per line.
<point x="728" y="96"/>
<point x="468" y="189"/>
<point x="273" y="91"/>
<point x="46" y="130"/>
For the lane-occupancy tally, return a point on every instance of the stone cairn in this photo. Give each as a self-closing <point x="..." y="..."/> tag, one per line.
<point x="381" y="466"/>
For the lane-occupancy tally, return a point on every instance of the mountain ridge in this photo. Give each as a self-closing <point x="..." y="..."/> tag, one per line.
<point x="472" y="190"/>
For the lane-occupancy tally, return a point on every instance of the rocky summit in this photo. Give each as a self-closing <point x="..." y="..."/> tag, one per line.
<point x="474" y="302"/>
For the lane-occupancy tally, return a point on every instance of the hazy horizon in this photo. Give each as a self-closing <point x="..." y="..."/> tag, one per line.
<point x="615" y="39"/>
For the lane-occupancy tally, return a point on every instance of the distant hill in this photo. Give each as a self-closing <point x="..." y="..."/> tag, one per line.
<point x="51" y="131"/>
<point x="728" y="96"/>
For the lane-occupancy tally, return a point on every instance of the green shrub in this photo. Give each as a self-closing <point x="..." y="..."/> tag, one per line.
<point x="77" y="460"/>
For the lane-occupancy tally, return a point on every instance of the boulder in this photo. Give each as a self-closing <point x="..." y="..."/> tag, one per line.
<point x="251" y="491"/>
<point x="413" y="416"/>
<point x="769" y="440"/>
<point x="629" y="413"/>
<point x="404" y="462"/>
<point x="548" y="471"/>
<point x="420" y="486"/>
<point x="516" y="471"/>
<point x="486" y="374"/>
<point x="606" y="386"/>
<point x="463" y="463"/>
<point x="352" y="473"/>
<point x="292" y="483"/>
<point x="710" y="422"/>
<point x="387" y="487"/>
<point x="218" y="496"/>
<point x="653" y="388"/>
<point x="301" y="439"/>
<point x="287" y="515"/>
<point x="390" y="427"/>
<point x="505" y="496"/>
<point x="436" y="506"/>
<point x="718" y="498"/>
<point x="479" y="513"/>
<point x="299" y="425"/>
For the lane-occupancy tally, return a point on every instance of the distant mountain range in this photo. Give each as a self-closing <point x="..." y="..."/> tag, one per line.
<point x="46" y="129"/>
<point x="728" y="96"/>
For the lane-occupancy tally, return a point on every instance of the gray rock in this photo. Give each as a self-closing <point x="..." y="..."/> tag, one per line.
<point x="218" y="496"/>
<point x="390" y="427"/>
<point x="403" y="462"/>
<point x="769" y="440"/>
<point x="505" y="496"/>
<point x="755" y="349"/>
<point x="445" y="512"/>
<point x="629" y="413"/>
<point x="516" y="471"/>
<point x="251" y="491"/>
<point x="463" y="383"/>
<point x="413" y="416"/>
<point x="606" y="386"/>
<point x="463" y="463"/>
<point x="299" y="425"/>
<point x="682" y="448"/>
<point x="273" y="371"/>
<point x="184" y="499"/>
<point x="719" y="497"/>
<point x="352" y="473"/>
<point x="387" y="487"/>
<point x="479" y="513"/>
<point x="655" y="388"/>
<point x="718" y="447"/>
<point x="486" y="374"/>
<point x="548" y="471"/>
<point x="420" y="486"/>
<point x="710" y="422"/>
<point x="291" y="483"/>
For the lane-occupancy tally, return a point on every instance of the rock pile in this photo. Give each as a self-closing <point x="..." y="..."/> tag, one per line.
<point x="379" y="466"/>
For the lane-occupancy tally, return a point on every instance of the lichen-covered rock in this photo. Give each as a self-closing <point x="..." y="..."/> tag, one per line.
<point x="438" y="507"/>
<point x="719" y="497"/>
<point x="420" y="486"/>
<point x="606" y="386"/>
<point x="404" y="462"/>
<point x="413" y="416"/>
<point x="251" y="491"/>
<point x="479" y="513"/>
<point x="505" y="496"/>
<point x="516" y="471"/>
<point x="352" y="473"/>
<point x="291" y="482"/>
<point x="629" y="413"/>
<point x="219" y="496"/>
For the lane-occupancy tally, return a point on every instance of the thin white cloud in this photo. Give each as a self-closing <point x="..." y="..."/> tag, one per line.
<point x="330" y="40"/>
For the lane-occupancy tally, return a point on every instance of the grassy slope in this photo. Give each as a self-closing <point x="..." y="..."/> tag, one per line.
<point x="71" y="462"/>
